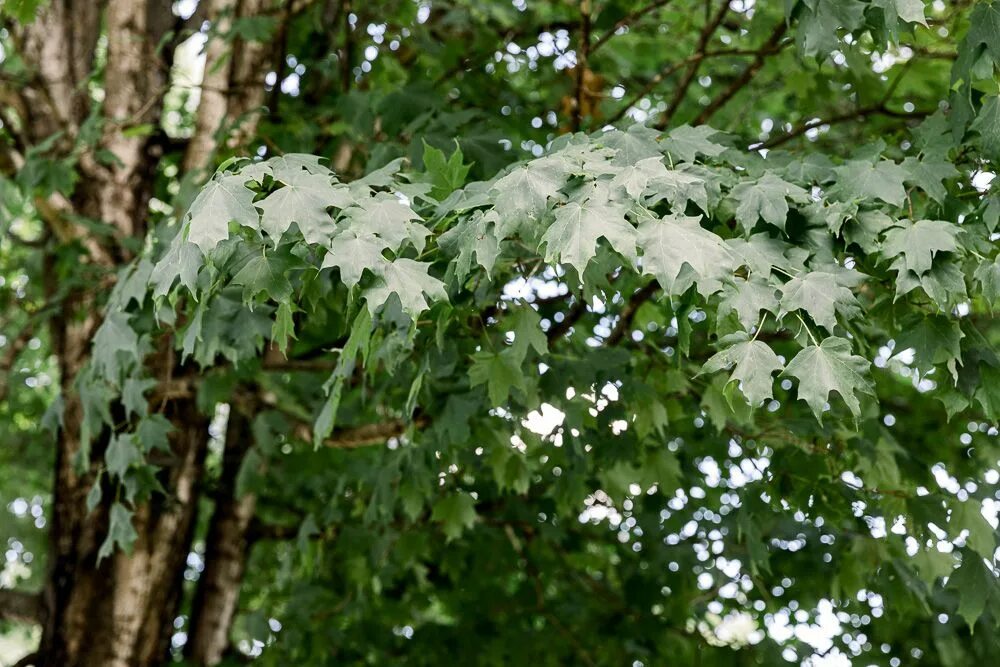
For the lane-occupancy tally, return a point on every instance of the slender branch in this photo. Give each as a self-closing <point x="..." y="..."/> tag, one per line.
<point x="33" y="658"/>
<point x="751" y="70"/>
<point x="627" y="21"/>
<point x="857" y="114"/>
<point x="627" y="315"/>
<point x="365" y="435"/>
<point x="573" y="315"/>
<point x="671" y="69"/>
<point x="681" y="92"/>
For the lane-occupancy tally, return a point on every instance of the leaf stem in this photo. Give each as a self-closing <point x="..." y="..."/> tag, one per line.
<point x="808" y="331"/>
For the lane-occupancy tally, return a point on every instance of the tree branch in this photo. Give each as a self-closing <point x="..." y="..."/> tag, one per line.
<point x="627" y="315"/>
<point x="751" y="70"/>
<point x="365" y="435"/>
<point x="706" y="34"/>
<point x="627" y="21"/>
<point x="21" y="606"/>
<point x="858" y="114"/>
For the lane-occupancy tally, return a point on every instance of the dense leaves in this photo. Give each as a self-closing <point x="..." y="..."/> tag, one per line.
<point x="703" y="376"/>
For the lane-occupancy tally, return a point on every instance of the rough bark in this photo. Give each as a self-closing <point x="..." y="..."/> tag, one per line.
<point x="120" y="611"/>
<point x="226" y="553"/>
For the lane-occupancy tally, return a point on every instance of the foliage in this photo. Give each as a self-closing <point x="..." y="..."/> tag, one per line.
<point x="662" y="388"/>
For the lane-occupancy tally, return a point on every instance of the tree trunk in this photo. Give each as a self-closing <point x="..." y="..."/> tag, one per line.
<point x="226" y="551"/>
<point x="120" y="611"/>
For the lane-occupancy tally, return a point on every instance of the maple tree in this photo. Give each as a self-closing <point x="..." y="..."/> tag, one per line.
<point x="395" y="344"/>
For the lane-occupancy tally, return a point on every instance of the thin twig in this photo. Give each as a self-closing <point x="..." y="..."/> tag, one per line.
<point x="627" y="20"/>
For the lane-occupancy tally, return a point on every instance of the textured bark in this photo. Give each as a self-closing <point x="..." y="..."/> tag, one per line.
<point x="226" y="554"/>
<point x="120" y="612"/>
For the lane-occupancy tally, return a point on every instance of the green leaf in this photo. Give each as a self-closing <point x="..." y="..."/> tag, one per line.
<point x="389" y="219"/>
<point x="673" y="242"/>
<point x="116" y="347"/>
<point x="475" y="236"/>
<point x="975" y="584"/>
<point x="632" y="145"/>
<point x="920" y="241"/>
<point x="121" y="455"/>
<point x="352" y="252"/>
<point x="265" y="274"/>
<point x="183" y="260"/>
<point x="968" y="515"/>
<point x="928" y="175"/>
<point x="988" y="276"/>
<point x="685" y="143"/>
<point x="747" y="298"/>
<point x="935" y="339"/>
<point x="500" y="371"/>
<point x="304" y="199"/>
<point x="754" y="363"/>
<point x="821" y="294"/>
<point x="572" y="238"/>
<point x="987" y="124"/>
<point x="523" y="194"/>
<point x="407" y="279"/>
<point x="859" y="180"/>
<point x="224" y="199"/>
<point x="357" y="342"/>
<point x="133" y="398"/>
<point x="445" y="175"/>
<point x="830" y="366"/>
<point x="527" y="330"/>
<point x="284" y="325"/>
<point x="456" y="513"/>
<point x="765" y="199"/>
<point x="120" y="532"/>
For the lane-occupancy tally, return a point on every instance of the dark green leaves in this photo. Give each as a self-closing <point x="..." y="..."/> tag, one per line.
<point x="753" y="363"/>
<point x="830" y="367"/>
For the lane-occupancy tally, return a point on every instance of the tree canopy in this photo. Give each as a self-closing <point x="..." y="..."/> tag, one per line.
<point x="551" y="333"/>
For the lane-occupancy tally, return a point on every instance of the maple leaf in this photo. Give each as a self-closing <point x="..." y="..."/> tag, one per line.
<point x="919" y="242"/>
<point x="572" y="238"/>
<point x="685" y="143"/>
<point x="987" y="124"/>
<point x="859" y="179"/>
<point x="765" y="199"/>
<point x="821" y="294"/>
<point x="828" y="367"/>
<point x="988" y="276"/>
<point x="674" y="241"/>
<point x="524" y="193"/>
<point x="929" y="175"/>
<point x="631" y="146"/>
<point x="634" y="177"/>
<point x="182" y="260"/>
<point x="679" y="187"/>
<point x="304" y="199"/>
<point x="475" y="236"/>
<point x="748" y="298"/>
<point x="352" y="252"/>
<point x="407" y="279"/>
<point x="388" y="218"/>
<point x="754" y="363"/>
<point x="224" y="199"/>
<point x="499" y="371"/>
<point x="265" y="274"/>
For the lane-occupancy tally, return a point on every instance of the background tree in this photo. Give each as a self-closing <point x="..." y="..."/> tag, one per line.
<point x="347" y="334"/>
